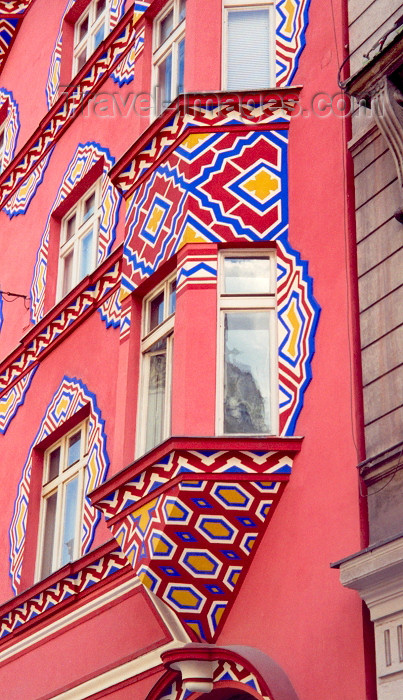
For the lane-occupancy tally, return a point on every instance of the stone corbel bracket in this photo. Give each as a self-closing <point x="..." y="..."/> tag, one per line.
<point x="379" y="83"/>
<point x="189" y="516"/>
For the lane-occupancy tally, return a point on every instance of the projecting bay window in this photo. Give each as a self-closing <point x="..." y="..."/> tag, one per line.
<point x="157" y="350"/>
<point x="79" y="241"/>
<point x="89" y="30"/>
<point x="248" y="45"/>
<point x="62" y="502"/>
<point x="169" y="54"/>
<point x="247" y="372"/>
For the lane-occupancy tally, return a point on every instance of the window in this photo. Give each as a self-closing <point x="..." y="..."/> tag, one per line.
<point x="248" y="366"/>
<point x="90" y="29"/>
<point x="157" y="349"/>
<point x="79" y="241"/>
<point x="62" y="502"/>
<point x="249" y="45"/>
<point x="169" y="54"/>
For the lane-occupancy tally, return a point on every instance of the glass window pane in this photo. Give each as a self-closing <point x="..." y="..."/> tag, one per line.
<point x="69" y="522"/>
<point x="89" y="205"/>
<point x="172" y="297"/>
<point x="181" y="67"/>
<point x="53" y="464"/>
<point x="182" y="10"/>
<point x="100" y="7"/>
<point x="49" y="535"/>
<point x="247" y="276"/>
<point x="247" y="372"/>
<point x="166" y="26"/>
<point x="86" y="257"/>
<point x="156" y="393"/>
<point x="156" y="311"/>
<point x="99" y="36"/>
<point x="71" y="227"/>
<point x="81" y="59"/>
<point x="74" y="447"/>
<point x="67" y="273"/>
<point x="248" y="49"/>
<point x="83" y="29"/>
<point x="165" y="82"/>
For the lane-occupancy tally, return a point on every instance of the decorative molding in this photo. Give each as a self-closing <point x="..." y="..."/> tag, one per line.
<point x="82" y="301"/>
<point x="70" y="582"/>
<point x="85" y="157"/>
<point x="188" y="521"/>
<point x="71" y="396"/>
<point x="387" y="104"/>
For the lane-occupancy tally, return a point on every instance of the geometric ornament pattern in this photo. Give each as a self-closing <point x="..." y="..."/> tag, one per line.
<point x="13" y="399"/>
<point x="66" y="588"/>
<point x="111" y="309"/>
<point x="71" y="396"/>
<point x="215" y="187"/>
<point x="11" y="125"/>
<point x="291" y="26"/>
<point x="12" y="13"/>
<point x="116" y="11"/>
<point x="225" y="674"/>
<point x="70" y="104"/>
<point x="85" y="157"/>
<point x="43" y="338"/>
<point x="190" y="523"/>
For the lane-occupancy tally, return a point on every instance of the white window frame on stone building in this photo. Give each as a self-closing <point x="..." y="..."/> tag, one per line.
<point x="249" y="46"/>
<point x="247" y="332"/>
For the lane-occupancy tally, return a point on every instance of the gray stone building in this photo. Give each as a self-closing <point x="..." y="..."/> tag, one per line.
<point x="376" y="88"/>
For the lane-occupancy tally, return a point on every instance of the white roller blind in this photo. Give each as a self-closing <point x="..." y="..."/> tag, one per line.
<point x="248" y="49"/>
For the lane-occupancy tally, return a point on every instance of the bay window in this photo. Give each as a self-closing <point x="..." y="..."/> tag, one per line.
<point x="248" y="45"/>
<point x="157" y="350"/>
<point x="247" y="397"/>
<point x="79" y="241"/>
<point x="169" y="54"/>
<point x="62" y="502"/>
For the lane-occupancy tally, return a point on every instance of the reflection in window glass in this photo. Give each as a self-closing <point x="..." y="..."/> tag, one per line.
<point x="247" y="276"/>
<point x="156" y="393"/>
<point x="247" y="372"/>
<point x="69" y="524"/>
<point x="49" y="537"/>
<point x="74" y="449"/>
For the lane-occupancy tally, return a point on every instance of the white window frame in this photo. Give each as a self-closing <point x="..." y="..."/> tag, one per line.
<point x="165" y="329"/>
<point x="73" y="244"/>
<point x="229" y="5"/>
<point x="162" y="49"/>
<point x="87" y="43"/>
<point x="58" y="485"/>
<point x="252" y="302"/>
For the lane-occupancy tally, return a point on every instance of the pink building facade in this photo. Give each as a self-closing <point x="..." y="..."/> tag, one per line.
<point x="180" y="409"/>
